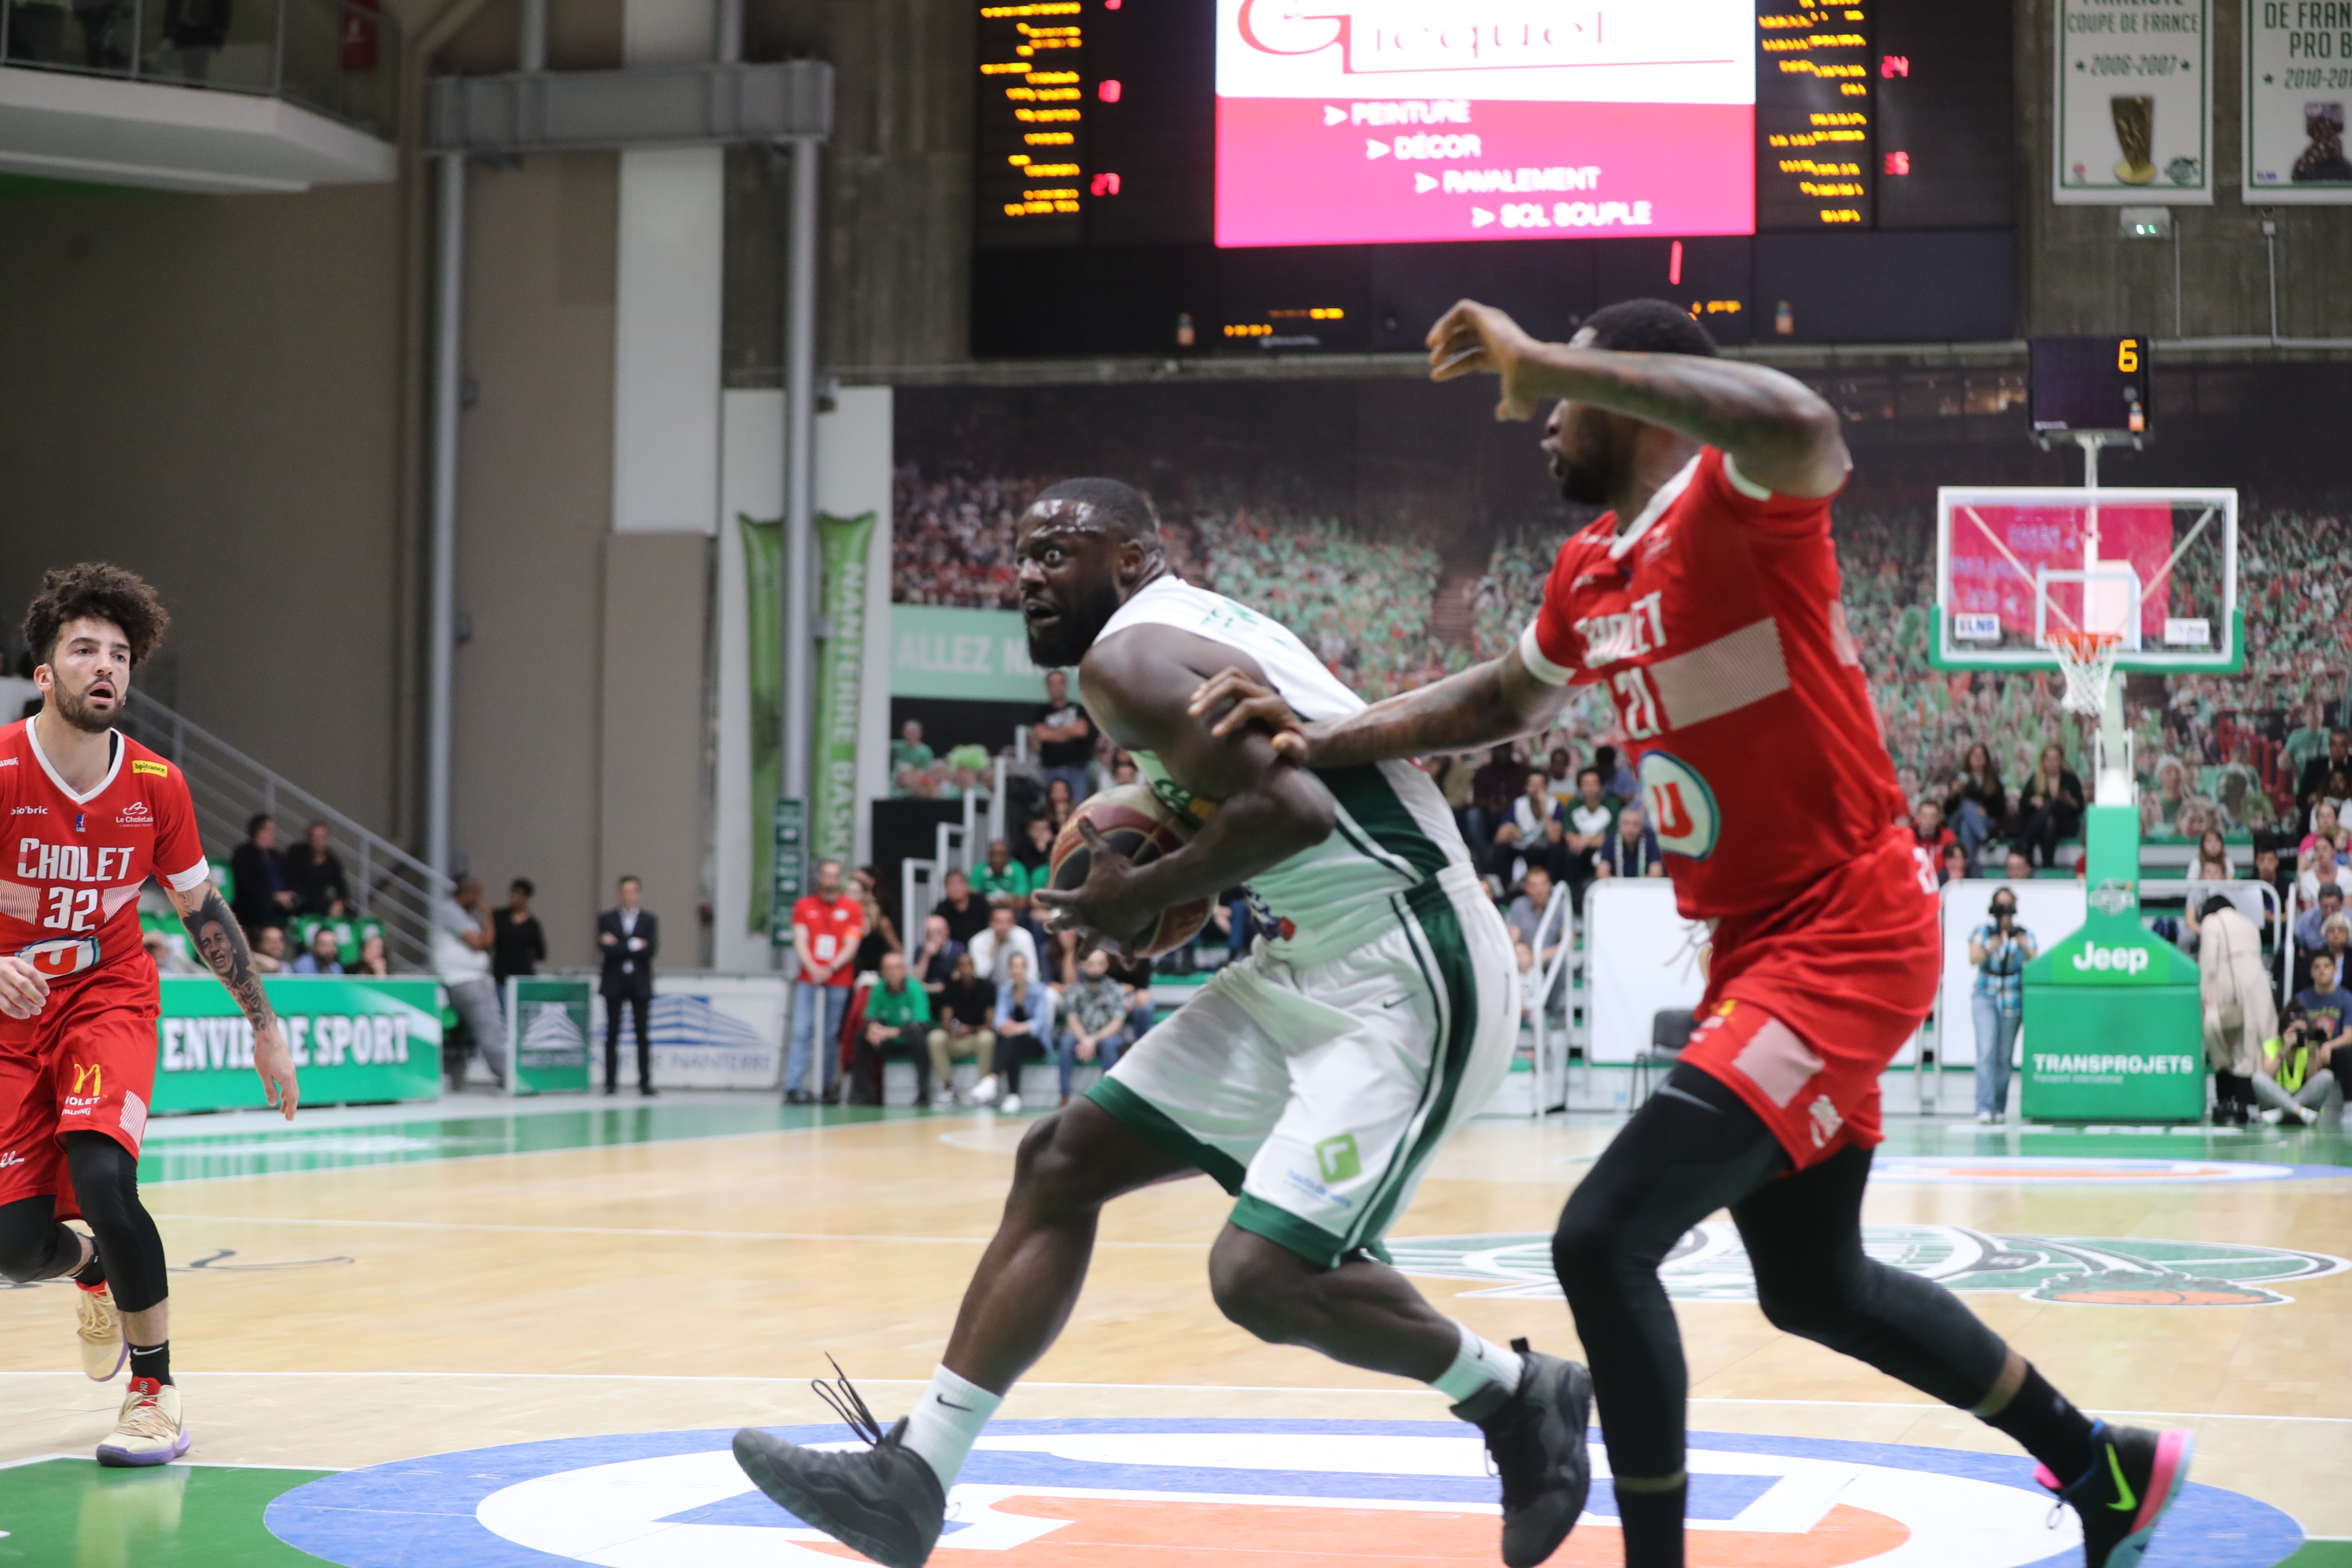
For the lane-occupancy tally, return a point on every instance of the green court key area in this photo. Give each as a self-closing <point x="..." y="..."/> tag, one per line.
<point x="74" y="1514"/>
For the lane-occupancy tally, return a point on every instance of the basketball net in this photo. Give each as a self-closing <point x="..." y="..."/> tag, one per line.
<point x="2086" y="659"/>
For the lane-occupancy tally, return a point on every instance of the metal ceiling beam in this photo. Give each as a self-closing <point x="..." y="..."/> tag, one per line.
<point x="644" y="106"/>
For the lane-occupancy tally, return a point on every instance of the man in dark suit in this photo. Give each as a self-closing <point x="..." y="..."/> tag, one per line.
<point x="264" y="893"/>
<point x="630" y="936"/>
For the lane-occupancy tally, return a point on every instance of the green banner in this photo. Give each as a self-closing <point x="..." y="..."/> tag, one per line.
<point x="548" y="1022"/>
<point x="842" y="544"/>
<point x="763" y="603"/>
<point x="979" y="655"/>
<point x="353" y="1041"/>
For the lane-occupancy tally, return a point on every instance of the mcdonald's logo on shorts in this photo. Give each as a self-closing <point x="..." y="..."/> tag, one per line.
<point x="90" y="1077"/>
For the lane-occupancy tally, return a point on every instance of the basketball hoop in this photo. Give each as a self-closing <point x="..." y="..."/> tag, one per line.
<point x="2086" y="659"/>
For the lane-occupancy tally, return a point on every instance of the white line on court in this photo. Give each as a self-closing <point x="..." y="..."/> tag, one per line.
<point x="187" y="1148"/>
<point x="648" y="1230"/>
<point x="1170" y="1388"/>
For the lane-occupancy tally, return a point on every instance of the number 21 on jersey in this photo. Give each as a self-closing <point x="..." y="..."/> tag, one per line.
<point x="1638" y="702"/>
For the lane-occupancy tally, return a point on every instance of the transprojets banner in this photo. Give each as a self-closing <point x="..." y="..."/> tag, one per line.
<point x="352" y="1040"/>
<point x="842" y="544"/>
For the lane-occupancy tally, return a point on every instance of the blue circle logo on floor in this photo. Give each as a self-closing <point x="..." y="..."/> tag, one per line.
<point x="1154" y="1494"/>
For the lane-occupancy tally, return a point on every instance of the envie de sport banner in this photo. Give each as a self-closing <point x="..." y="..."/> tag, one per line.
<point x="352" y="1040"/>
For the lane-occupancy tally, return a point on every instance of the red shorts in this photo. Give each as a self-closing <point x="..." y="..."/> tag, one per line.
<point x="1807" y="1004"/>
<point x="84" y="1063"/>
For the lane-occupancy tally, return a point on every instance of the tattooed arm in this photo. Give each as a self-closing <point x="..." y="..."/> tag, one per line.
<point x="1500" y="699"/>
<point x="221" y="943"/>
<point x="1778" y="431"/>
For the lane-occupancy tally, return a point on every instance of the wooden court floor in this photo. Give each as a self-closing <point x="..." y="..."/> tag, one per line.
<point x="374" y="1290"/>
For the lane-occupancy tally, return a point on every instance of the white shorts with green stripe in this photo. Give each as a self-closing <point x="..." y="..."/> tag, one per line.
<point x="1316" y="1092"/>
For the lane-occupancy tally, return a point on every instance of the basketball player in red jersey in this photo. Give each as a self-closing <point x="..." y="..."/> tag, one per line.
<point x="90" y="814"/>
<point x="1708" y="604"/>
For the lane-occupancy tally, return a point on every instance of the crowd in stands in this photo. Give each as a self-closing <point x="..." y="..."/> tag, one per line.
<point x="1991" y="766"/>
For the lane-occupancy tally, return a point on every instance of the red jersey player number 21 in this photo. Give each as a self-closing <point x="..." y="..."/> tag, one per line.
<point x="1714" y="623"/>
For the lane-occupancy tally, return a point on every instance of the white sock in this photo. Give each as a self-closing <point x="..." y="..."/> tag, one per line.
<point x="1478" y="1364"/>
<point x="944" y="1425"/>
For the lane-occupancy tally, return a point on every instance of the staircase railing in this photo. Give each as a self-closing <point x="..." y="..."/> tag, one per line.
<point x="387" y="884"/>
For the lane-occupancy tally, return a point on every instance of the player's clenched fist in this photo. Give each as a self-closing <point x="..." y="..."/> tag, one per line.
<point x="1472" y="337"/>
<point x="23" y="990"/>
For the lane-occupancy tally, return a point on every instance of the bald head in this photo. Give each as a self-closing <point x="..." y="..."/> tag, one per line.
<point x="1119" y="510"/>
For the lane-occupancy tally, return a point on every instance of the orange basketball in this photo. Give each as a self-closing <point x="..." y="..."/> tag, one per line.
<point x="1141" y="826"/>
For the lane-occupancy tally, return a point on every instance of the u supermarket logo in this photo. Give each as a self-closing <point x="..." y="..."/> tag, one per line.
<point x="1172" y="1494"/>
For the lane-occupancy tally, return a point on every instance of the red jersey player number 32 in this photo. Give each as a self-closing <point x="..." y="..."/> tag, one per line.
<point x="90" y="814"/>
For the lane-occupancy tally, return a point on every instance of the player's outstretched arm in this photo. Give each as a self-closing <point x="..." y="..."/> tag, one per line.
<point x="1777" y="429"/>
<point x="221" y="942"/>
<point x="1139" y="686"/>
<point x="1485" y="705"/>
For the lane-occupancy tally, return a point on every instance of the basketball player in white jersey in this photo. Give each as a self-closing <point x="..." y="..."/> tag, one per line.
<point x="1313" y="1079"/>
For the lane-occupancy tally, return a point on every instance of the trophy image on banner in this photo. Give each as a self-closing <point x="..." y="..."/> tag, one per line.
<point x="2323" y="161"/>
<point x="2135" y="134"/>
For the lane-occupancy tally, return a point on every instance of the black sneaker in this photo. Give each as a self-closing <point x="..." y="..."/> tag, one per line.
<point x="1536" y="1434"/>
<point x="2134" y="1476"/>
<point x="886" y="1502"/>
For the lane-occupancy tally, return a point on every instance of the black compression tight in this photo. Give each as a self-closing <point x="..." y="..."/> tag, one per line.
<point x="33" y="1246"/>
<point x="1692" y="1148"/>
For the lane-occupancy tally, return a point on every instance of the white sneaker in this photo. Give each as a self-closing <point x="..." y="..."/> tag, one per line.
<point x="1984" y="1117"/>
<point x="98" y="1327"/>
<point x="944" y="1100"/>
<point x="1011" y="1104"/>
<point x="149" y="1431"/>
<point x="984" y="1091"/>
<point x="2274" y="1116"/>
<point x="2310" y="1117"/>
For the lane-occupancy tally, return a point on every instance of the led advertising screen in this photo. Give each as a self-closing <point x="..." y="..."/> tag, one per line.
<point x="1367" y="122"/>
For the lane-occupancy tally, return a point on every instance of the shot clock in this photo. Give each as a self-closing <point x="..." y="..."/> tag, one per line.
<point x="2093" y="384"/>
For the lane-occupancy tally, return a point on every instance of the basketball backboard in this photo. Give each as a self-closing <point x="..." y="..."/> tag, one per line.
<point x="2156" y="567"/>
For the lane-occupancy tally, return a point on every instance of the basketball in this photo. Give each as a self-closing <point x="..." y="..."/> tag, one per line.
<point x="1140" y="826"/>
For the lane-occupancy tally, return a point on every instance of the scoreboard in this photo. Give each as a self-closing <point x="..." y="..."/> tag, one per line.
<point x="1161" y="143"/>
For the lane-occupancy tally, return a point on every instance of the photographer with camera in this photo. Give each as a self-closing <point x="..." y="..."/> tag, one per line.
<point x="2000" y="949"/>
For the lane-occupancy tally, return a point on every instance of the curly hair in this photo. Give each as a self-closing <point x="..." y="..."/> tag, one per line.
<point x="96" y="590"/>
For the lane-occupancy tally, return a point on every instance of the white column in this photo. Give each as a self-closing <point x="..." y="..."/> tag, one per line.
<point x="665" y="340"/>
<point x="441" y="620"/>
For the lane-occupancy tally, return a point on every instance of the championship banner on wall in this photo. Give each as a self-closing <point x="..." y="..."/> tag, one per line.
<point x="842" y="544"/>
<point x="763" y="603"/>
<point x="548" y="1022"/>
<point x="2299" y="85"/>
<point x="353" y="1041"/>
<point x="2135" y="105"/>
